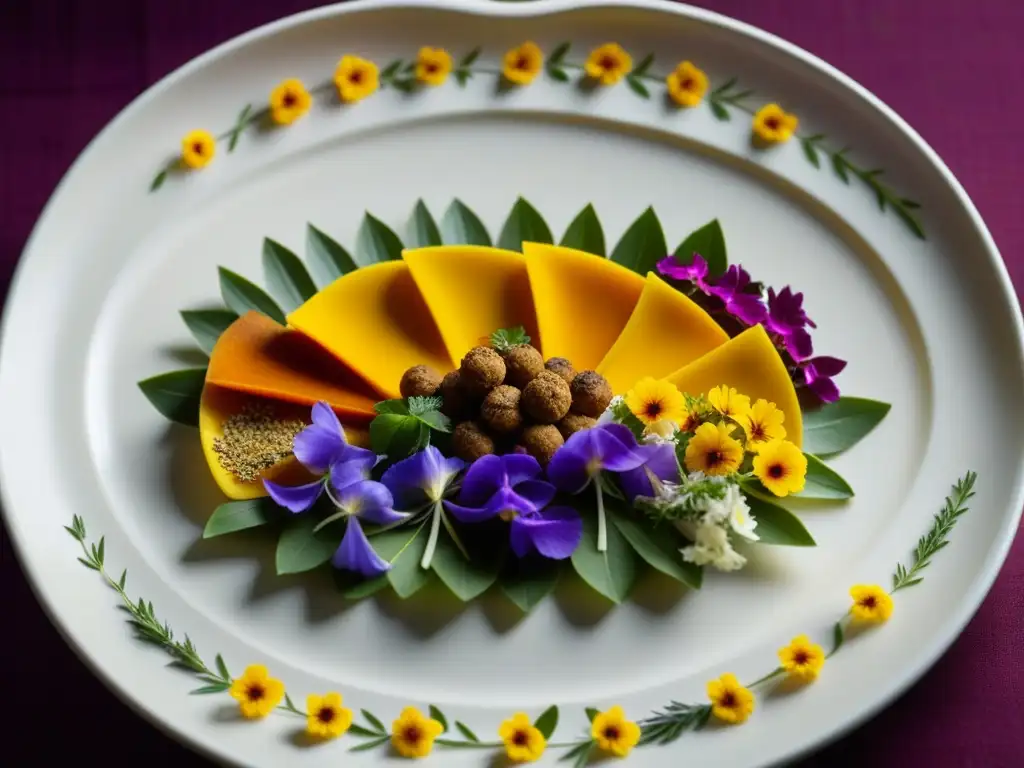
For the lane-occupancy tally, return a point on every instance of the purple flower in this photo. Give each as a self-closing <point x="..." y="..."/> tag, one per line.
<point x="610" y="447"/>
<point x="786" y="312"/>
<point x="798" y="344"/>
<point x="423" y="477"/>
<point x="659" y="465"/>
<point x="356" y="554"/>
<point x="818" y="373"/>
<point x="731" y="289"/>
<point x="695" y="272"/>
<point x="299" y="498"/>
<point x="322" y="444"/>
<point x="367" y="500"/>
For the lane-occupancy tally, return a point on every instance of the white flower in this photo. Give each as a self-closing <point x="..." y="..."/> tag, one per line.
<point x="661" y="431"/>
<point x="729" y="560"/>
<point x="712" y="547"/>
<point x="608" y="417"/>
<point x="740" y="519"/>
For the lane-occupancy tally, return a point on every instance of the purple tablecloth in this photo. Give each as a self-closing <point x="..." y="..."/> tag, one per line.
<point x="951" y="68"/>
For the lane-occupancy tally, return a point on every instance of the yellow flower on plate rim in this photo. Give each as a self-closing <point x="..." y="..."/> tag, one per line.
<point x="728" y="402"/>
<point x="326" y="718"/>
<point x="256" y="692"/>
<point x="773" y="125"/>
<point x="730" y="701"/>
<point x="763" y="423"/>
<point x="651" y="401"/>
<point x="523" y="63"/>
<point x="413" y="734"/>
<point x="613" y="733"/>
<point x="523" y="742"/>
<point x="198" y="148"/>
<point x="355" y="78"/>
<point x="433" y="65"/>
<point x="713" y="451"/>
<point x="608" y="64"/>
<point x="687" y="84"/>
<point x="289" y="101"/>
<point x="780" y="466"/>
<point x="871" y="603"/>
<point x="802" y="659"/>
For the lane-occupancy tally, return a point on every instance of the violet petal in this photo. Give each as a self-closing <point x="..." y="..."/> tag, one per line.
<point x="507" y="500"/>
<point x="294" y="498"/>
<point x="468" y="514"/>
<point x="660" y="461"/>
<point x="827" y="366"/>
<point x="484" y="476"/>
<point x="520" y="467"/>
<point x="371" y="501"/>
<point x="346" y="473"/>
<point x="798" y="344"/>
<point x="824" y="389"/>
<point x="537" y="492"/>
<point x="747" y="308"/>
<point x="421" y="477"/>
<point x="554" y="533"/>
<point x="355" y="553"/>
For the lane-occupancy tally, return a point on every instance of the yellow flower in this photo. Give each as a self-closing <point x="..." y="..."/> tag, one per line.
<point x="713" y="451"/>
<point x="802" y="659"/>
<point x="355" y="78"/>
<point x="871" y="603"/>
<point x="614" y="733"/>
<point x="433" y="65"/>
<point x="780" y="466"/>
<point x="763" y="423"/>
<point x="730" y="701"/>
<point x="651" y="401"/>
<point x="692" y="419"/>
<point x="608" y="64"/>
<point x="730" y="403"/>
<point x="523" y="64"/>
<point x="687" y="85"/>
<point x="257" y="693"/>
<point x="412" y="734"/>
<point x="289" y="101"/>
<point x="198" y="148"/>
<point x="523" y="742"/>
<point x="773" y="125"/>
<point x="326" y="718"/>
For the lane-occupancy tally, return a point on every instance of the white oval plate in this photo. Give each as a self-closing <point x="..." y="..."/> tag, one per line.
<point x="928" y="325"/>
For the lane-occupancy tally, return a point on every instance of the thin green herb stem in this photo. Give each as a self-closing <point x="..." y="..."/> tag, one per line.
<point x="770" y="676"/>
<point x="602" y="523"/>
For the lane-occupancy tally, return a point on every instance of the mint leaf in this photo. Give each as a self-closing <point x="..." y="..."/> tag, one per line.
<point x="505" y="339"/>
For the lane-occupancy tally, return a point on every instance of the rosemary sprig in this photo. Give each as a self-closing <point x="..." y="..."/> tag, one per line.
<point x="667" y="725"/>
<point x="726" y="95"/>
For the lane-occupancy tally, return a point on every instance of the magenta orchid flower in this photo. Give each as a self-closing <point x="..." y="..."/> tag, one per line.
<point x="696" y="272"/>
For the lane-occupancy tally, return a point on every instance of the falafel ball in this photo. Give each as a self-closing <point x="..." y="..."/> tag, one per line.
<point x="420" y="381"/>
<point x="470" y="442"/>
<point x="546" y="399"/>
<point x="561" y="367"/>
<point x="500" y="410"/>
<point x="541" y="441"/>
<point x="481" y="371"/>
<point x="522" y="364"/>
<point x="591" y="393"/>
<point x="575" y="422"/>
<point x="455" y="403"/>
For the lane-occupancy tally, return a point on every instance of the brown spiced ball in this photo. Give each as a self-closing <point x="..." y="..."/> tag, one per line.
<point x="541" y="441"/>
<point x="561" y="367"/>
<point x="481" y="371"/>
<point x="420" y="381"/>
<point x="470" y="442"/>
<point x="591" y="393"/>
<point x="546" y="399"/>
<point x="455" y="403"/>
<point x="573" y="423"/>
<point x="500" y="409"/>
<point x="522" y="364"/>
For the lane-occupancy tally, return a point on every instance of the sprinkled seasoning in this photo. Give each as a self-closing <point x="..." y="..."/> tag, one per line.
<point x="255" y="440"/>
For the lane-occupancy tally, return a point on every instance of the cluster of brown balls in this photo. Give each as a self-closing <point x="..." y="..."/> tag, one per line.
<point x="512" y="401"/>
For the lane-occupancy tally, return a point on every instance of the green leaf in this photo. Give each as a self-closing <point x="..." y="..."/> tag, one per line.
<point x="212" y="688"/>
<point x="523" y="225"/>
<point x="547" y="722"/>
<point x="642" y="245"/>
<point x="366" y="746"/>
<point x="376" y="242"/>
<point x="358" y="730"/>
<point x="527" y="581"/>
<point x="611" y="572"/>
<point x="397" y="406"/>
<point x="327" y="259"/>
<point x="460" y="226"/>
<point x="403" y="548"/>
<point x="418" y="406"/>
<point x="645" y="64"/>
<point x="585" y="232"/>
<point x="234" y="516"/>
<point x="720" y="112"/>
<point x="837" y="637"/>
<point x="838" y="426"/>
<point x="240" y="123"/>
<point x="462" y="76"/>
<point x="286" y="276"/>
<point x="299" y="549"/>
<point x="242" y="296"/>
<point x="592" y="713"/>
<point x="558" y="74"/>
<point x="469" y="58"/>
<point x="424" y="228"/>
<point x="176" y="394"/>
<point x="354" y="587"/>
<point x="777" y="525"/>
<point x="658" y="549"/>
<point x="398" y="436"/>
<point x="810" y="153"/>
<point x="158" y="180"/>
<point x="466" y="579"/>
<point x="910" y="220"/>
<point x="222" y="668"/>
<point x="465" y="731"/>
<point x="823" y="482"/>
<point x="437" y="714"/>
<point x="839" y="166"/>
<point x="709" y="242"/>
<point x="391" y="69"/>
<point x="436" y="421"/>
<point x="207" y="325"/>
<point x="374" y="721"/>
<point x="559" y="53"/>
<point x="637" y="87"/>
<point x="507" y="339"/>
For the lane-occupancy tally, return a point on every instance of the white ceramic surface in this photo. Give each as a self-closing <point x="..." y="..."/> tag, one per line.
<point x="930" y="326"/>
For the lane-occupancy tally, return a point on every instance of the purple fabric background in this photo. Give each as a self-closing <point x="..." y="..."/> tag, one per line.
<point x="950" y="67"/>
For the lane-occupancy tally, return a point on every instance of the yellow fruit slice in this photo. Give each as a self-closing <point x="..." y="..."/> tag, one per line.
<point x="665" y="332"/>
<point x="752" y="365"/>
<point x="472" y="292"/>
<point x="582" y="302"/>
<point x="375" y="321"/>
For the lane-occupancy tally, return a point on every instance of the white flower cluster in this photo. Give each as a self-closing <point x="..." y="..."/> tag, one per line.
<point x="710" y="528"/>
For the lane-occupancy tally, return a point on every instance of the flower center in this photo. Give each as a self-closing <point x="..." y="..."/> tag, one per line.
<point x="757" y="431"/>
<point x="612" y="733"/>
<point x="728" y="699"/>
<point x="801" y="657"/>
<point x="869" y="601"/>
<point x="773" y="123"/>
<point x="522" y="62"/>
<point x="355" y="77"/>
<point x="198" y="147"/>
<point x="289" y="99"/>
<point x="432" y="67"/>
<point x="714" y="458"/>
<point x="255" y="692"/>
<point x="508" y="515"/>
<point x="412" y="734"/>
<point x="521" y="738"/>
<point x="776" y="471"/>
<point x="653" y="409"/>
<point x="687" y="84"/>
<point x="325" y="715"/>
<point x="608" y="62"/>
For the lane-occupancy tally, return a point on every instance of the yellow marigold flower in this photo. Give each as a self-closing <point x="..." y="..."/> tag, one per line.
<point x="355" y="78"/>
<point x="608" y="64"/>
<point x="774" y="125"/>
<point x="523" y="742"/>
<point x="522" y="65"/>
<point x="691" y="420"/>
<point x="326" y="718"/>
<point x="651" y="401"/>
<point x="730" y="701"/>
<point x="780" y="466"/>
<point x="871" y="603"/>
<point x="614" y="733"/>
<point x="289" y="101"/>
<point x="687" y="85"/>
<point x="763" y="423"/>
<point x="802" y="659"/>
<point x="433" y="65"/>
<point x="412" y="734"/>
<point x="730" y="403"/>
<point x="198" y="148"/>
<point x="713" y="451"/>
<point x="257" y="693"/>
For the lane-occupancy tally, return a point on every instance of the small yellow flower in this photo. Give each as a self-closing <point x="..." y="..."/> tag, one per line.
<point x="730" y="701"/>
<point x="355" y="79"/>
<point x="763" y="423"/>
<point x="651" y="401"/>
<point x="523" y="742"/>
<point x="257" y="693"/>
<point x="433" y="65"/>
<point x="522" y="65"/>
<point x="608" y="64"/>
<point x="614" y="733"/>
<point x="780" y="466"/>
<point x="692" y="419"/>
<point x="412" y="734"/>
<point x="289" y="101"/>
<point x="774" y="125"/>
<point x="198" y="148"/>
<point x="871" y="603"/>
<point x="326" y="718"/>
<point x="730" y="403"/>
<point x="687" y="85"/>
<point x="713" y="451"/>
<point x="802" y="659"/>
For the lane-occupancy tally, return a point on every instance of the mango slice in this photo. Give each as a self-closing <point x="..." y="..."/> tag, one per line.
<point x="375" y="321"/>
<point x="665" y="332"/>
<point x="473" y="291"/>
<point x="582" y="302"/>
<point x="751" y="364"/>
